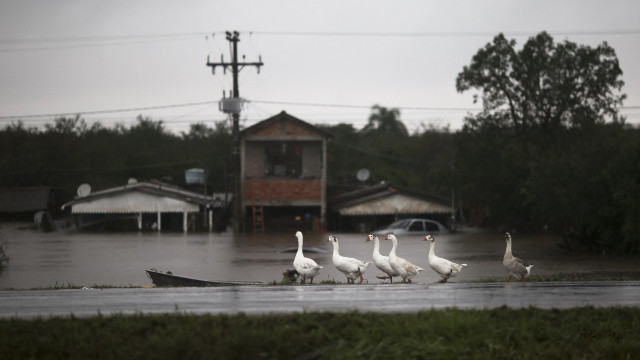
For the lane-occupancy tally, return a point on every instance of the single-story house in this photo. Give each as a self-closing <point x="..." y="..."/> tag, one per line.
<point x="374" y="206"/>
<point x="148" y="205"/>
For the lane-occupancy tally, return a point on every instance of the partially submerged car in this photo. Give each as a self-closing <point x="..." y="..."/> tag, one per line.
<point x="413" y="227"/>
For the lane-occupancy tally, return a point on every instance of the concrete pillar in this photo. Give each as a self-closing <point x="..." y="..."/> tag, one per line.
<point x="185" y="221"/>
<point x="139" y="221"/>
<point x="159" y="221"/>
<point x="210" y="220"/>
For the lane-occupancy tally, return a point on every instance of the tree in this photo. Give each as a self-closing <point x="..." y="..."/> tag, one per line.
<point x="542" y="153"/>
<point x="69" y="126"/>
<point x="383" y="120"/>
<point x="198" y="131"/>
<point x="545" y="84"/>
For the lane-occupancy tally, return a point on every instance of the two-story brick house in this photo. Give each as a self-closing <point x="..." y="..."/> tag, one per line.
<point x="283" y="174"/>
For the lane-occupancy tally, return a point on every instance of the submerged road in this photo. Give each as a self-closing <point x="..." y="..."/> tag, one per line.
<point x="315" y="298"/>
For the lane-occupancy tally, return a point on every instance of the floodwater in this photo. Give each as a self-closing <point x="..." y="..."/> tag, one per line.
<point x="75" y="258"/>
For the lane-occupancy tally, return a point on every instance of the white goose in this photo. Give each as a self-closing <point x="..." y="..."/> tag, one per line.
<point x="445" y="268"/>
<point x="381" y="261"/>
<point x="404" y="268"/>
<point x="514" y="266"/>
<point x="305" y="266"/>
<point x="352" y="268"/>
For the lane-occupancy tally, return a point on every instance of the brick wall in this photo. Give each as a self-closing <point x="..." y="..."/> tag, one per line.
<point x="284" y="189"/>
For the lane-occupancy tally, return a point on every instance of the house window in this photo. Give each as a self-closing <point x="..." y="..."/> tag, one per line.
<point x="283" y="160"/>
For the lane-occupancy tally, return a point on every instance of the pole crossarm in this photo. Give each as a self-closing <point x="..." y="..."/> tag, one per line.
<point x="226" y="65"/>
<point x="234" y="38"/>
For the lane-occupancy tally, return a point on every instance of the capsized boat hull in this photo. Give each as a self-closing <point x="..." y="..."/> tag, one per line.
<point x="161" y="279"/>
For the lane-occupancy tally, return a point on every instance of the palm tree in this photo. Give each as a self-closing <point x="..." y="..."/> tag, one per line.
<point x="385" y="121"/>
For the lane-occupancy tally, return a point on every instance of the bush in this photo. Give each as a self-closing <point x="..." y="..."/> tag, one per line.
<point x="501" y="333"/>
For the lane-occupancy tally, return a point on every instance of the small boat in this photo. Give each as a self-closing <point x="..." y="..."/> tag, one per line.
<point x="161" y="279"/>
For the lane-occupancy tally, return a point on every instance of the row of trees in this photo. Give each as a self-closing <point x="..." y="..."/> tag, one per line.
<point x="69" y="153"/>
<point x="548" y="152"/>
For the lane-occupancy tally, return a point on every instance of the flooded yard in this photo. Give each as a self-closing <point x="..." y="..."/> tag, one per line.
<point x="85" y="259"/>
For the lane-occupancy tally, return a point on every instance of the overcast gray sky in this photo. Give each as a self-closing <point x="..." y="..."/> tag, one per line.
<point x="324" y="61"/>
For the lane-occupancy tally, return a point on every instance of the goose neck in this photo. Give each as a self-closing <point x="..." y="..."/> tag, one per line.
<point x="507" y="251"/>
<point x="376" y="245"/>
<point x="394" y="246"/>
<point x="299" y="245"/>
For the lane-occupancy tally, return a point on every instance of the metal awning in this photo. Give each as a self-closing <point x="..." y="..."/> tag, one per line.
<point x="391" y="204"/>
<point x="134" y="202"/>
<point x="140" y="198"/>
<point x="386" y="199"/>
<point x="146" y="197"/>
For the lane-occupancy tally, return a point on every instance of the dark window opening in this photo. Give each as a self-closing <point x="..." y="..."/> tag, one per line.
<point x="283" y="160"/>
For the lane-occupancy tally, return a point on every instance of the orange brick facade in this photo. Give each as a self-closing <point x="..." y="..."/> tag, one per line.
<point x="284" y="189"/>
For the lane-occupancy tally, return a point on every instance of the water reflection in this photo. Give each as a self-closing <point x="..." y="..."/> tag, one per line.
<point x="85" y="259"/>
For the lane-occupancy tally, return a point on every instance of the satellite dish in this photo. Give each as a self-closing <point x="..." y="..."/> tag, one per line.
<point x="84" y="190"/>
<point x="363" y="175"/>
<point x="132" y="181"/>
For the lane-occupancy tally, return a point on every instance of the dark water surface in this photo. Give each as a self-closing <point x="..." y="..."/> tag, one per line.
<point x="85" y="259"/>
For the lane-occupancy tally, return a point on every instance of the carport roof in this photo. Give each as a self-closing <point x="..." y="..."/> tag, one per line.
<point x="385" y="199"/>
<point x="141" y="197"/>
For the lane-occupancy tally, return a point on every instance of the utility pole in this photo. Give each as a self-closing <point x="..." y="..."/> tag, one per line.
<point x="233" y="106"/>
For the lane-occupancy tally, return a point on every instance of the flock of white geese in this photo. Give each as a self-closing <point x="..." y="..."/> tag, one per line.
<point x="393" y="265"/>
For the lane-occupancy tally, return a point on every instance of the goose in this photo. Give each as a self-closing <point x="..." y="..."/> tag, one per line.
<point x="381" y="261"/>
<point x="445" y="268"/>
<point x="306" y="267"/>
<point x="404" y="268"/>
<point x="514" y="266"/>
<point x="352" y="268"/>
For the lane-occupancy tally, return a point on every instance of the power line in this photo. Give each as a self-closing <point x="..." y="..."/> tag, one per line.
<point x="78" y="46"/>
<point x="100" y="38"/>
<point x="169" y="36"/>
<point x="106" y="111"/>
<point x="446" y="33"/>
<point x="93" y="41"/>
<point x="365" y="106"/>
<point x="269" y="102"/>
<point x="27" y="44"/>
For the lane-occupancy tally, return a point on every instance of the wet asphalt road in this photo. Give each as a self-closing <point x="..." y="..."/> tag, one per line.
<point x="317" y="298"/>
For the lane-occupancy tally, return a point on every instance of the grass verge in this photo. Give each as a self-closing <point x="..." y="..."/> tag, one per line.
<point x="582" y="333"/>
